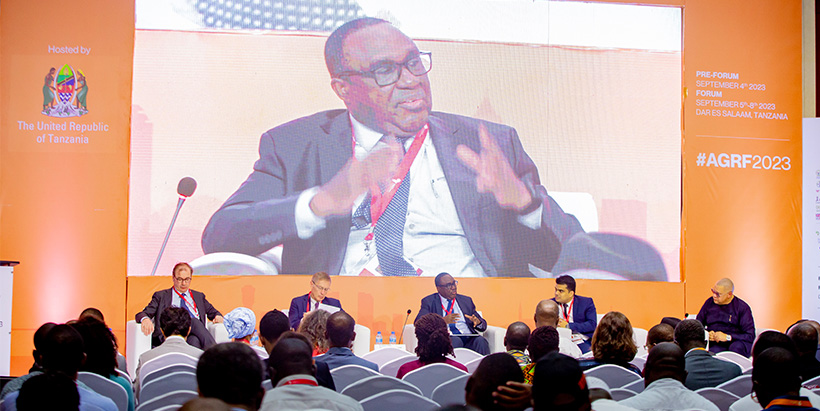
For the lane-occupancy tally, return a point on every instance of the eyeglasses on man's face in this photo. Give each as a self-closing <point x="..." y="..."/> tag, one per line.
<point x="386" y="73"/>
<point x="449" y="285"/>
<point x="319" y="287"/>
<point x="183" y="280"/>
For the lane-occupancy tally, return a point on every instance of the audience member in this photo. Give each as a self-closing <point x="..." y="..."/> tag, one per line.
<point x="493" y="371"/>
<point x="776" y="380"/>
<point x="295" y="387"/>
<point x="53" y="391"/>
<point x="515" y="341"/>
<point x="543" y="341"/>
<point x="231" y="372"/>
<point x="37" y="367"/>
<point x="340" y="334"/>
<point x="804" y="336"/>
<point x="180" y="295"/>
<point x="728" y="319"/>
<point x="766" y="340"/>
<point x="101" y="353"/>
<point x="459" y="312"/>
<point x="205" y="404"/>
<point x="241" y="325"/>
<point x="559" y="384"/>
<point x="433" y="344"/>
<point x="546" y="313"/>
<point x="671" y="321"/>
<point x="575" y="312"/>
<point x="98" y="315"/>
<point x="612" y="343"/>
<point x="659" y="333"/>
<point x="176" y="323"/>
<point x="271" y="326"/>
<point x="702" y="368"/>
<point x="314" y="326"/>
<point x="319" y="287"/>
<point x="63" y="352"/>
<point x="665" y="373"/>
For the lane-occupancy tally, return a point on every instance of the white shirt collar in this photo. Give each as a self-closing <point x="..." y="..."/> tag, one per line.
<point x="365" y="136"/>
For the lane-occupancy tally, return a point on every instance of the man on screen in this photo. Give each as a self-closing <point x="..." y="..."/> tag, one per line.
<point x="459" y="313"/>
<point x="388" y="187"/>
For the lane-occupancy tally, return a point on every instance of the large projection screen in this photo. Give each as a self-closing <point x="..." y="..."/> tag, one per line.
<point x="593" y="90"/>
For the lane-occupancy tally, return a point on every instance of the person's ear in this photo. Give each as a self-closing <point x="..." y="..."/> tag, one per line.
<point x="341" y="88"/>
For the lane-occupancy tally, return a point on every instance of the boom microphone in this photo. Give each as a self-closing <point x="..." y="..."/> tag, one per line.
<point x="185" y="189"/>
<point x="402" y="327"/>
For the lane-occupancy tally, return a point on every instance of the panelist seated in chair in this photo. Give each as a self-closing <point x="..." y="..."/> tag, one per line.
<point x="319" y="287"/>
<point x="576" y="312"/>
<point x="180" y="295"/>
<point x="459" y="313"/>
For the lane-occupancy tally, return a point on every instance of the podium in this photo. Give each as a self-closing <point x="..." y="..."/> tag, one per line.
<point x="6" y="287"/>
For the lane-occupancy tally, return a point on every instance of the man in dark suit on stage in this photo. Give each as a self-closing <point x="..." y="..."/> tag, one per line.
<point x="459" y="312"/>
<point x="319" y="287"/>
<point x="464" y="199"/>
<point x="575" y="312"/>
<point x="180" y="295"/>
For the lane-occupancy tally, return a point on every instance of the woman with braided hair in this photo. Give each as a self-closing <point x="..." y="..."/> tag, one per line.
<point x="433" y="344"/>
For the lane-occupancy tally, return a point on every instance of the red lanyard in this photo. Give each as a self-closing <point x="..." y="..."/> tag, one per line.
<point x="449" y="310"/>
<point x="566" y="311"/>
<point x="301" y="381"/>
<point x="790" y="403"/>
<point x="309" y="301"/>
<point x="193" y="303"/>
<point x="378" y="200"/>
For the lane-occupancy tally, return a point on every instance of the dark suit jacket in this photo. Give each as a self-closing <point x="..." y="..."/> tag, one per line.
<point x="704" y="370"/>
<point x="584" y="316"/>
<point x="308" y="152"/>
<point x="322" y="374"/>
<point x="298" y="307"/>
<point x="162" y="300"/>
<point x="432" y="304"/>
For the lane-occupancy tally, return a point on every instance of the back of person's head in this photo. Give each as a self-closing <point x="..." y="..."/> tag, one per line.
<point x="314" y="326"/>
<point x="775" y="373"/>
<point x="493" y="371"/>
<point x="612" y="339"/>
<point x="665" y="360"/>
<point x="340" y="326"/>
<point x="543" y="341"/>
<point x="273" y="324"/>
<point x="231" y="372"/>
<point x="63" y="350"/>
<point x="240" y="323"/>
<point x="690" y="334"/>
<point x="53" y="391"/>
<point x="39" y="339"/>
<point x="98" y="345"/>
<point x="567" y="281"/>
<point x="559" y="384"/>
<point x="770" y="339"/>
<point x="433" y="338"/>
<point x="175" y="321"/>
<point x="205" y="404"/>
<point x="658" y="334"/>
<point x="93" y="313"/>
<point x="804" y="336"/>
<point x="546" y="313"/>
<point x="672" y="321"/>
<point x="291" y="355"/>
<point x="517" y="337"/>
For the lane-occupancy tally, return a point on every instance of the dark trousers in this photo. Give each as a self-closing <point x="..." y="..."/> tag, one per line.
<point x="199" y="336"/>
<point x="478" y="344"/>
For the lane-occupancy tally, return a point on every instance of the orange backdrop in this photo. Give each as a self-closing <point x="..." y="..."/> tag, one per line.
<point x="64" y="213"/>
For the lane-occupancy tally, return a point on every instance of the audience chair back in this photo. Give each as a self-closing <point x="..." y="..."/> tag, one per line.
<point x="743" y="362"/>
<point x="375" y="384"/>
<point x="739" y="386"/>
<point x="619" y="394"/>
<point x="158" y="387"/>
<point x="636" y="386"/>
<point x="465" y="355"/>
<point x="613" y="375"/>
<point x="720" y="397"/>
<point x="124" y="374"/>
<point x="398" y="400"/>
<point x="639" y="362"/>
<point x="451" y="392"/>
<point x="384" y="355"/>
<point x="164" y="360"/>
<point x="348" y="374"/>
<point x="813" y="381"/>
<point x="105" y="387"/>
<point x="168" y="369"/>
<point x="392" y="368"/>
<point x="472" y="365"/>
<point x="430" y="376"/>
<point x="173" y="398"/>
